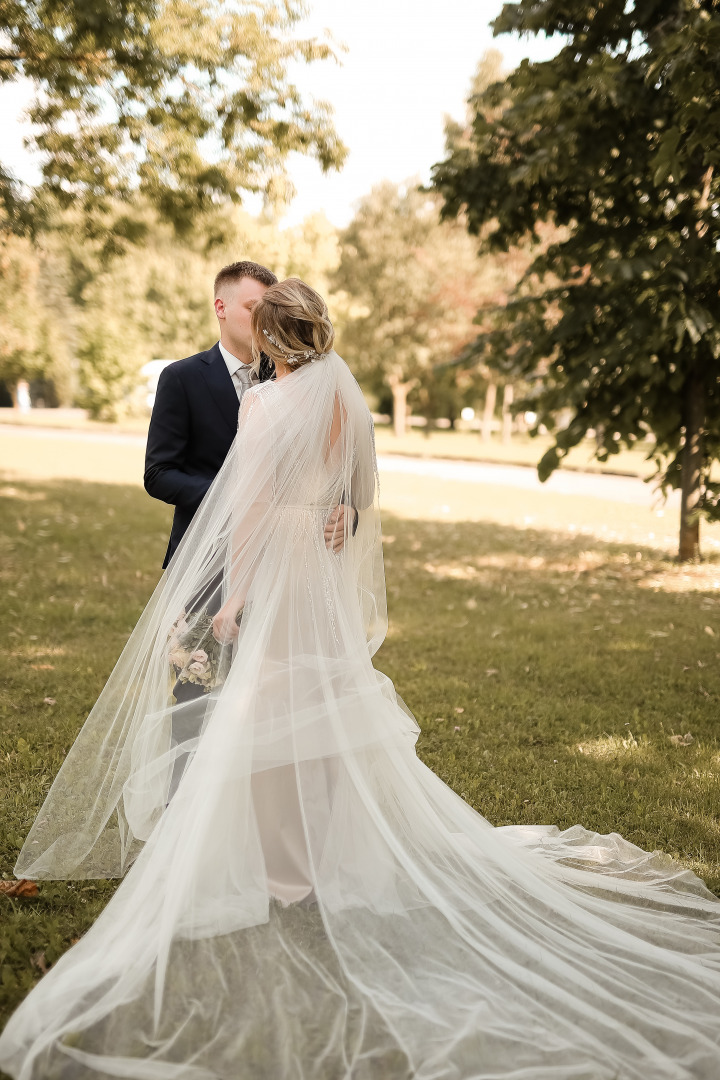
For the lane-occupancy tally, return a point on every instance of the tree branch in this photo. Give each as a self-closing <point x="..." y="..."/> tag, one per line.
<point x="707" y="180"/>
<point x="79" y="58"/>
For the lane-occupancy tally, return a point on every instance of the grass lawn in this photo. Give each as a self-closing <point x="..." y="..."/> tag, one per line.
<point x="548" y="667"/>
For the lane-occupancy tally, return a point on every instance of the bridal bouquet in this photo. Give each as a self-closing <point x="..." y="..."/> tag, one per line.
<point x="195" y="653"/>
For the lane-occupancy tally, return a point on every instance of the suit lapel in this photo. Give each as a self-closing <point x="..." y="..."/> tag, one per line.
<point x="221" y="386"/>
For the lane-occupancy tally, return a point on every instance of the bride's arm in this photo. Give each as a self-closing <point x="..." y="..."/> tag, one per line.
<point x="241" y="572"/>
<point x="343" y="521"/>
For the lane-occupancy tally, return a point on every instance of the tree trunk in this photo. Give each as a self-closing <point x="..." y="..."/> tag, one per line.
<point x="692" y="467"/>
<point x="488" y="412"/>
<point x="400" y="391"/>
<point x="506" y="414"/>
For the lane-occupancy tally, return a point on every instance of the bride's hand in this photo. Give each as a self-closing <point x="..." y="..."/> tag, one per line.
<point x="224" y="626"/>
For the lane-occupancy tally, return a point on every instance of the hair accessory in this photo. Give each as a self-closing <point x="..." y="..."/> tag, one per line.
<point x="295" y="357"/>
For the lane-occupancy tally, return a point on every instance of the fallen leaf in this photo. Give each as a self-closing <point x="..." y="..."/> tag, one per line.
<point x="681" y="740"/>
<point x="456" y="728"/>
<point x="491" y="671"/>
<point x="439" y="719"/>
<point x="459" y="709"/>
<point x="658" y="633"/>
<point x="49" y="701"/>
<point x="38" y="960"/>
<point x="709" y="630"/>
<point x="21" y="887"/>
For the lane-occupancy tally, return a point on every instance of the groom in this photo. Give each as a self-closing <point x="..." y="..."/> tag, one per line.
<point x="195" y="415"/>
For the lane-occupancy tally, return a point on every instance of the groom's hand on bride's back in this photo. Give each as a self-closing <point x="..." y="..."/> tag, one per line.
<point x="341" y="522"/>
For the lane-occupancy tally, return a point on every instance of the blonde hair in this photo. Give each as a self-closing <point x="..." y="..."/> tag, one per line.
<point x="290" y="324"/>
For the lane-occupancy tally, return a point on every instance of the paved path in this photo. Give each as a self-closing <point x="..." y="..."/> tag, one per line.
<point x="624" y="489"/>
<point x="66" y="434"/>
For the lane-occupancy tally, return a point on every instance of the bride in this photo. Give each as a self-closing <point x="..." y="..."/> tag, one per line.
<point x="303" y="899"/>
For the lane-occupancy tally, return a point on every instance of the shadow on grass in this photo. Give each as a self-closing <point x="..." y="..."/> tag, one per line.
<point x="547" y="672"/>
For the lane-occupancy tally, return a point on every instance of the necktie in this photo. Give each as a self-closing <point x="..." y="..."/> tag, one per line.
<point x="243" y="379"/>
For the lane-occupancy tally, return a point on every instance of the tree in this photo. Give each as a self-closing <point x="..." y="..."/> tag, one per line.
<point x="36" y="326"/>
<point x="413" y="286"/>
<point x="112" y="346"/>
<point x="615" y="141"/>
<point x="184" y="102"/>
<point x="501" y="270"/>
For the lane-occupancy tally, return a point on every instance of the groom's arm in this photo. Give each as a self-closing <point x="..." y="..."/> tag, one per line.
<point x="168" y="437"/>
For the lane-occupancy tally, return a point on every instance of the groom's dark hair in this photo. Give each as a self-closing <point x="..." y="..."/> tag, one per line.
<point x="238" y="270"/>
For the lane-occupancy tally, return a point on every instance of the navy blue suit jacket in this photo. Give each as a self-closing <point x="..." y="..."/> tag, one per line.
<point x="192" y="427"/>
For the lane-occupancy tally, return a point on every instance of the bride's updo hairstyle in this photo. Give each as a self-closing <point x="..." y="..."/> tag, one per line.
<point x="290" y="324"/>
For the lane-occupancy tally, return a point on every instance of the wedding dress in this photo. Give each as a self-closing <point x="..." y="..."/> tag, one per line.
<point x="304" y="899"/>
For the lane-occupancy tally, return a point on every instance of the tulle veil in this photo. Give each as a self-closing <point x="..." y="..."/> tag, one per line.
<point x="303" y="899"/>
<point x="281" y="476"/>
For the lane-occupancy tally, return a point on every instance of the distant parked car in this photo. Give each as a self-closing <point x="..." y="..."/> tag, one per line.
<point x="151" y="372"/>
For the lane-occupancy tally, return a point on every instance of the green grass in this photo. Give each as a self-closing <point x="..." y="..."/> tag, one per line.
<point x="547" y="672"/>
<point x="548" y="678"/>
<point x="78" y="564"/>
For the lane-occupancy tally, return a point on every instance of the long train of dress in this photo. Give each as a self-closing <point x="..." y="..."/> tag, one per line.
<point x="314" y="903"/>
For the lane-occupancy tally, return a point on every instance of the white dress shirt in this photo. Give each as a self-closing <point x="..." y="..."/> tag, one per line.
<point x="242" y="375"/>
